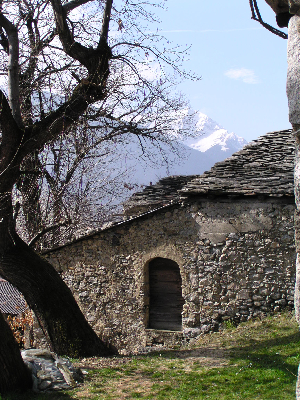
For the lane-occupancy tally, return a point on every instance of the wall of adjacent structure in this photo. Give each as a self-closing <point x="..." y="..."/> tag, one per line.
<point x="236" y="259"/>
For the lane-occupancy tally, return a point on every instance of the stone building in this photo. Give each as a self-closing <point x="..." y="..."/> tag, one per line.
<point x="193" y="252"/>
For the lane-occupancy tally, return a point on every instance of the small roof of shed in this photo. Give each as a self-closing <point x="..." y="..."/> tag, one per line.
<point x="164" y="192"/>
<point x="264" y="166"/>
<point x="11" y="300"/>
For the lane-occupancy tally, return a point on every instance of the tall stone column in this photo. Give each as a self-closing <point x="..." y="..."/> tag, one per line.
<point x="293" y="93"/>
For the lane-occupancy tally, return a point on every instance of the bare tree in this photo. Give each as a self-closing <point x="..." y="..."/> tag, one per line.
<point x="76" y="186"/>
<point x="67" y="63"/>
<point x="139" y="103"/>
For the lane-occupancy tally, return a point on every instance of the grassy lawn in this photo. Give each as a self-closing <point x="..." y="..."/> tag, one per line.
<point x="255" y="361"/>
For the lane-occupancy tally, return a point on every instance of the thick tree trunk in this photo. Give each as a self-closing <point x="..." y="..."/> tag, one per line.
<point x="29" y="186"/>
<point x="297" y="238"/>
<point x="14" y="374"/>
<point x="293" y="81"/>
<point x="46" y="293"/>
<point x="52" y="302"/>
<point x="296" y="127"/>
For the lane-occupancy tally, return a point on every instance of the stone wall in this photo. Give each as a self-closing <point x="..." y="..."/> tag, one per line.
<point x="236" y="259"/>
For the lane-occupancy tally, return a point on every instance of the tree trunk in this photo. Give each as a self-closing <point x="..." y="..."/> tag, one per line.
<point x="297" y="238"/>
<point x="29" y="186"/>
<point x="293" y="81"/>
<point x="46" y="293"/>
<point x="14" y="374"/>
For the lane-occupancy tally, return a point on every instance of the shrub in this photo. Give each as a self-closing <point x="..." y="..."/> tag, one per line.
<point x="21" y="326"/>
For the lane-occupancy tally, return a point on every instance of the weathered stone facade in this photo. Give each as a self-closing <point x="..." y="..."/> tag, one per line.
<point x="246" y="270"/>
<point x="236" y="258"/>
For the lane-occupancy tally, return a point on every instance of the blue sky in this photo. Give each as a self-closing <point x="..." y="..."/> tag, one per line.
<point x="242" y="65"/>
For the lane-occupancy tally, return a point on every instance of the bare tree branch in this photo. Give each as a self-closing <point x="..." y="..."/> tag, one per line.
<point x="95" y="60"/>
<point x="71" y="5"/>
<point x="105" y="23"/>
<point x="71" y="47"/>
<point x="46" y="230"/>
<point x="4" y="41"/>
<point x="13" y="68"/>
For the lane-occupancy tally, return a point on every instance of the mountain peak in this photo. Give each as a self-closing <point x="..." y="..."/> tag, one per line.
<point x="209" y="134"/>
<point x="207" y="124"/>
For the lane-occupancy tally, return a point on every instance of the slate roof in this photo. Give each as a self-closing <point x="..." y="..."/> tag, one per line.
<point x="164" y="192"/>
<point x="264" y="166"/>
<point x="11" y="300"/>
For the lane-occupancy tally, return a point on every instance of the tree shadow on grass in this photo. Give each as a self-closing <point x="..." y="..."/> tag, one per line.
<point x="260" y="354"/>
<point x="263" y="354"/>
<point x="29" y="395"/>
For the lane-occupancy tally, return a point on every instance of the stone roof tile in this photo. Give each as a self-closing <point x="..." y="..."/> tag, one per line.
<point x="11" y="300"/>
<point x="164" y="192"/>
<point x="264" y="166"/>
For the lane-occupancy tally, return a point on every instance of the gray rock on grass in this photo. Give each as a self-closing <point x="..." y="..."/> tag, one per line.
<point x="49" y="371"/>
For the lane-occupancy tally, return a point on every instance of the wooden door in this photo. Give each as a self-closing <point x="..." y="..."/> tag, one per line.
<point x="166" y="301"/>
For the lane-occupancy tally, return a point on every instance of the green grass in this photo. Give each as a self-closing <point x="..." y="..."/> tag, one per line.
<point x="255" y="361"/>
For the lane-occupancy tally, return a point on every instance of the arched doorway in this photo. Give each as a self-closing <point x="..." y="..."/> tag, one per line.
<point x="165" y="295"/>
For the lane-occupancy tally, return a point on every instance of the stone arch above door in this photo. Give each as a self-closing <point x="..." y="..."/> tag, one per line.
<point x="165" y="295"/>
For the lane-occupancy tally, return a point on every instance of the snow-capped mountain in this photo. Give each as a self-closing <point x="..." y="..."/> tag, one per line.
<point x="208" y="144"/>
<point x="135" y="167"/>
<point x="209" y="134"/>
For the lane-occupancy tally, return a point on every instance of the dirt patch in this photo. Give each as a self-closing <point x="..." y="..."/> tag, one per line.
<point x="122" y="388"/>
<point x="205" y="357"/>
<point x="101" y="362"/>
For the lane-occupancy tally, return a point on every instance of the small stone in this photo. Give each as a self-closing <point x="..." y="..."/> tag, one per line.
<point x="45" y="384"/>
<point x="269" y="271"/>
<point x="281" y="302"/>
<point x="243" y="294"/>
<point x="37" y="353"/>
<point x="264" y="292"/>
<point x="274" y="245"/>
<point x="275" y="296"/>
